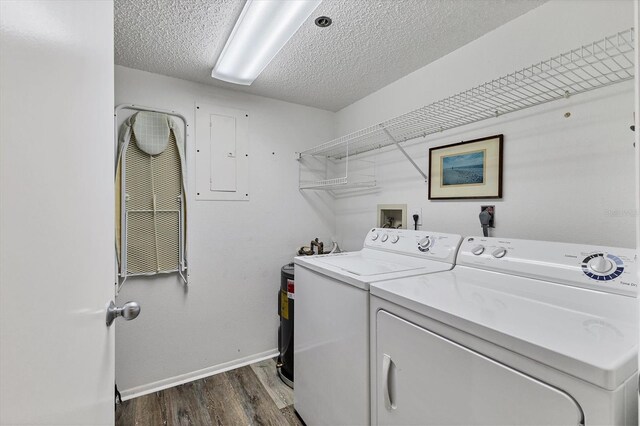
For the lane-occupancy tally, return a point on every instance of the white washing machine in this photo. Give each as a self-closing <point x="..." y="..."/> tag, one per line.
<point x="331" y="333"/>
<point x="518" y="333"/>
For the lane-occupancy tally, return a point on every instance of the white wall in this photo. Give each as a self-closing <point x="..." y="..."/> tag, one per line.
<point x="564" y="179"/>
<point x="228" y="314"/>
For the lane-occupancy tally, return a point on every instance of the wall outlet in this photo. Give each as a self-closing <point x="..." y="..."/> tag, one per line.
<point x="417" y="211"/>
<point x="493" y="214"/>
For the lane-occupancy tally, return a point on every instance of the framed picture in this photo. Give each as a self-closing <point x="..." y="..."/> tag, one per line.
<point x="471" y="169"/>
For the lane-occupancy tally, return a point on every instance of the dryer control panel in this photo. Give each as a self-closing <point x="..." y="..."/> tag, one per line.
<point x="609" y="269"/>
<point x="430" y="245"/>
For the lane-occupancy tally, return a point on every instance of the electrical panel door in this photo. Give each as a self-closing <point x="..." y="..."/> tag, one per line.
<point x="222" y="153"/>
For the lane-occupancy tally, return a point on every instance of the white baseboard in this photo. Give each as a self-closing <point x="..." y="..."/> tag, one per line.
<point x="195" y="375"/>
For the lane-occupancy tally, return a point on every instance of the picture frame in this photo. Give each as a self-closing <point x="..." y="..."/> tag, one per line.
<point x="466" y="170"/>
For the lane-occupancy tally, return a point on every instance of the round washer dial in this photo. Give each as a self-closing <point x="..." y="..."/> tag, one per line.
<point x="601" y="267"/>
<point x="478" y="250"/>
<point x="424" y="244"/>
<point x="499" y="252"/>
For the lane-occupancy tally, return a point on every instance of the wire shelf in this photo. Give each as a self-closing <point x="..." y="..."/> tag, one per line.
<point x="602" y="63"/>
<point x="337" y="183"/>
<point x="321" y="172"/>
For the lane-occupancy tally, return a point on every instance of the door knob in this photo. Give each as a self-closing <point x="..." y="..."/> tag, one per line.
<point x="128" y="311"/>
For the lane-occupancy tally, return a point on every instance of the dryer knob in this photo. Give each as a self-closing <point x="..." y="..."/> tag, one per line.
<point x="385" y="237"/>
<point x="394" y="239"/>
<point x="374" y="236"/>
<point x="499" y="252"/>
<point x="477" y="250"/>
<point x="600" y="265"/>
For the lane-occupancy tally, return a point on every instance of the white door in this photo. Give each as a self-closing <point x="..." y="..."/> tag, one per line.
<point x="424" y="379"/>
<point x="56" y="212"/>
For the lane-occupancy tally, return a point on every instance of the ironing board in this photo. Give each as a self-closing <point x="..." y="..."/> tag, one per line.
<point x="150" y="196"/>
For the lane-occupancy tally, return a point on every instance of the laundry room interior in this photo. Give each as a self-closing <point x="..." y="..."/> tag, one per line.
<point x="327" y="212"/>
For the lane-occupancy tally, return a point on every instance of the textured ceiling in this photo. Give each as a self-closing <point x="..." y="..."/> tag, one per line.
<point x="370" y="44"/>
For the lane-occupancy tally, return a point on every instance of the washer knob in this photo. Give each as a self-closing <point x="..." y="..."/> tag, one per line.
<point x="385" y="237"/>
<point x="374" y="236"/>
<point x="394" y="239"/>
<point x="477" y="250"/>
<point x="499" y="252"/>
<point x="424" y="244"/>
<point x="600" y="265"/>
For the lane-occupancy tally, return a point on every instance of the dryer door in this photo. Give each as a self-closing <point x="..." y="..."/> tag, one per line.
<point x="422" y="378"/>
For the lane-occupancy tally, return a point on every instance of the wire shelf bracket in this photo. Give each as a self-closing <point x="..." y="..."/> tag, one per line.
<point x="413" y="163"/>
<point x="589" y="67"/>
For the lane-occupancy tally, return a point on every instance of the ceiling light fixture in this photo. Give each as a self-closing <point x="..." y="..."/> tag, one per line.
<point x="263" y="28"/>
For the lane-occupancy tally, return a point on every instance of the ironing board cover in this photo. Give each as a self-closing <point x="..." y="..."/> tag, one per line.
<point x="154" y="211"/>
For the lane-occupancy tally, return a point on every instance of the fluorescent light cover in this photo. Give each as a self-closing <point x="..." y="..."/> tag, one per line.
<point x="263" y="28"/>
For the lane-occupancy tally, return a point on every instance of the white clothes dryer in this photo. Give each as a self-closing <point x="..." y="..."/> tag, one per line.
<point x="518" y="333"/>
<point x="331" y="333"/>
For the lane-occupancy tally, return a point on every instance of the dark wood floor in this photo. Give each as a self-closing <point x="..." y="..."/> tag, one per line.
<point x="237" y="397"/>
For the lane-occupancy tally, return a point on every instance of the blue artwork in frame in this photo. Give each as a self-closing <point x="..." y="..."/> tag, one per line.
<point x="463" y="169"/>
<point x="468" y="169"/>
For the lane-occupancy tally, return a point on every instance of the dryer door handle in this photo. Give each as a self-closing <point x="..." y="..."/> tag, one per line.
<point x="388" y="377"/>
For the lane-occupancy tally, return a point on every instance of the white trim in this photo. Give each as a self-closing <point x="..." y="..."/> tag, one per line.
<point x="636" y="23"/>
<point x="195" y="375"/>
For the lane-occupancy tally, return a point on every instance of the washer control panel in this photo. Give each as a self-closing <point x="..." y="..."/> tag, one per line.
<point x="603" y="268"/>
<point x="432" y="245"/>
